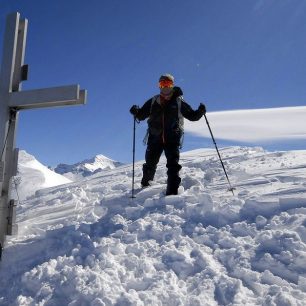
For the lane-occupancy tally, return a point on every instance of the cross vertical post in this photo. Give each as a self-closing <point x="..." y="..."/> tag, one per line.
<point x="12" y="100"/>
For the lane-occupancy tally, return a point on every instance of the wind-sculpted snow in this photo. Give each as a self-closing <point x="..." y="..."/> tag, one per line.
<point x="32" y="176"/>
<point x="88" y="243"/>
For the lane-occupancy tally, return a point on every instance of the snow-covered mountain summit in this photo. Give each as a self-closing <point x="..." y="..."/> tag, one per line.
<point x="32" y="176"/>
<point x="89" y="243"/>
<point x="87" y="167"/>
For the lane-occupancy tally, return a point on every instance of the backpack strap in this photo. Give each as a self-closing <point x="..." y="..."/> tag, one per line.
<point x="153" y="100"/>
<point x="179" y="100"/>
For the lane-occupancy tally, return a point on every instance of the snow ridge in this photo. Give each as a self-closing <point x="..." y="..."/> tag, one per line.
<point x="32" y="176"/>
<point x="88" y="243"/>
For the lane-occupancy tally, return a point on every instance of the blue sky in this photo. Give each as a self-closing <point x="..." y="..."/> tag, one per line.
<point x="238" y="54"/>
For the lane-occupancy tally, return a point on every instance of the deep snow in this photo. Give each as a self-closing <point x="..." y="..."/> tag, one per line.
<point x="88" y="243"/>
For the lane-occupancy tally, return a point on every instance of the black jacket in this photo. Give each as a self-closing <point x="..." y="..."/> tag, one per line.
<point x="165" y="119"/>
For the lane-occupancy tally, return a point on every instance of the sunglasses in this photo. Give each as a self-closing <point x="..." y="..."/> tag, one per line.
<point x="165" y="84"/>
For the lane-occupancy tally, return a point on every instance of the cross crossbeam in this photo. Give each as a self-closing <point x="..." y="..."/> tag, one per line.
<point x="47" y="97"/>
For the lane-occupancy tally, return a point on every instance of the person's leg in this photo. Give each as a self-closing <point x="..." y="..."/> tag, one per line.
<point x="172" y="153"/>
<point x="153" y="153"/>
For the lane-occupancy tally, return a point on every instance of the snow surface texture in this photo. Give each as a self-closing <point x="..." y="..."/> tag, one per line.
<point x="32" y="176"/>
<point x="88" y="243"/>
<point x="87" y="167"/>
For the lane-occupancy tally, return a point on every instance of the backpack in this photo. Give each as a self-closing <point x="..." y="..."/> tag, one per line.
<point x="179" y="100"/>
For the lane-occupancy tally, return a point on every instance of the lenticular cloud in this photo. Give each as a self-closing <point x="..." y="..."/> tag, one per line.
<point x="286" y="123"/>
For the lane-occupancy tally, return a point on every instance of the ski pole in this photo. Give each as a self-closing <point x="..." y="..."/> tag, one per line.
<point x="212" y="136"/>
<point x="133" y="173"/>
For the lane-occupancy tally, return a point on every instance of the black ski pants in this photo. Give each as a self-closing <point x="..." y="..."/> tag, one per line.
<point x="153" y="153"/>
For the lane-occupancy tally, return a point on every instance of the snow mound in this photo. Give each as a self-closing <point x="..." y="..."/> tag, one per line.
<point x="32" y="176"/>
<point x="89" y="243"/>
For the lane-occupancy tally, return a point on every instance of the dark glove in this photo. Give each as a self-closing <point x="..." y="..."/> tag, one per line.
<point x="134" y="110"/>
<point x="202" y="109"/>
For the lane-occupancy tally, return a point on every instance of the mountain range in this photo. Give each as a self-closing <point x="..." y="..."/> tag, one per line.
<point x="33" y="175"/>
<point x="86" y="167"/>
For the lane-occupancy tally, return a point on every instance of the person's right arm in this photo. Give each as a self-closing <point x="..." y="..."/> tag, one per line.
<point x="143" y="112"/>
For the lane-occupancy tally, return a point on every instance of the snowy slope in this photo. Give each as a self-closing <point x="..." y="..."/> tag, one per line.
<point x="88" y="243"/>
<point x="32" y="176"/>
<point x="87" y="167"/>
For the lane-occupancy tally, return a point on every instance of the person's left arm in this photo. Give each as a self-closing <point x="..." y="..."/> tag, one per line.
<point x="190" y="114"/>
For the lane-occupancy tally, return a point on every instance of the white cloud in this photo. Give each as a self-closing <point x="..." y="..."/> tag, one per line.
<point x="253" y="125"/>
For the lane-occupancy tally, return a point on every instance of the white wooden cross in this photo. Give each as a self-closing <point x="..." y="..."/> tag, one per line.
<point x="12" y="99"/>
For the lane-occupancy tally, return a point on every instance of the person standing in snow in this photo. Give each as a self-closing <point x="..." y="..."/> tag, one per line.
<point x="165" y="113"/>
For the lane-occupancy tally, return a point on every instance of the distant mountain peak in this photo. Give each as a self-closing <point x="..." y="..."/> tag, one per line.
<point x="87" y="167"/>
